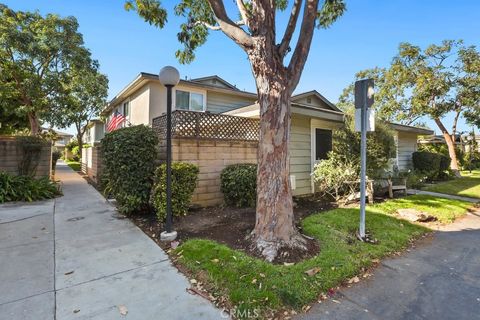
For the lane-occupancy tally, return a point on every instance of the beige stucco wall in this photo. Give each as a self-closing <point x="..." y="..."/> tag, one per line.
<point x="11" y="155"/>
<point x="139" y="106"/>
<point x="92" y="162"/>
<point x="158" y="98"/>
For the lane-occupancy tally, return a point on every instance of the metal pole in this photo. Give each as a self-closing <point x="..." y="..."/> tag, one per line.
<point x="168" y="226"/>
<point x="363" y="169"/>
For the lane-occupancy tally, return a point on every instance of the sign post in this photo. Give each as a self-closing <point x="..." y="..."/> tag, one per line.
<point x="364" y="91"/>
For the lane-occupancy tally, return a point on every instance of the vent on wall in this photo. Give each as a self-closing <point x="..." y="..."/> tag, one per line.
<point x="293" y="182"/>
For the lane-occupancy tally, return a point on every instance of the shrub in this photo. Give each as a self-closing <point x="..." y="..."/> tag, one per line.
<point x="334" y="175"/>
<point x="184" y="181"/>
<point x="128" y="166"/>
<point x="432" y="165"/>
<point x="56" y="154"/>
<point x="30" y="147"/>
<point x="76" y="153"/>
<point x="444" y="163"/>
<point x="26" y="188"/>
<point x="380" y="144"/>
<point x="239" y="185"/>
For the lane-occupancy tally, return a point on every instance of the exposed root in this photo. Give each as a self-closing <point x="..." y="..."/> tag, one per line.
<point x="270" y="249"/>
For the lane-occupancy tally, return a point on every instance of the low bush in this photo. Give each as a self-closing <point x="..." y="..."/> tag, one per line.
<point x="433" y="165"/>
<point x="128" y="166"/>
<point x="184" y="181"/>
<point x="334" y="176"/>
<point x="56" y="154"/>
<point x="26" y="188"/>
<point x="239" y="185"/>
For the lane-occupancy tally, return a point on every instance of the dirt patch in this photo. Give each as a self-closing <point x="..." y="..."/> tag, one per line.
<point x="231" y="226"/>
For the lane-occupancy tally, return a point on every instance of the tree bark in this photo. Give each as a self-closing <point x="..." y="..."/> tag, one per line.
<point x="274" y="226"/>
<point x="451" y="147"/>
<point x="34" y="123"/>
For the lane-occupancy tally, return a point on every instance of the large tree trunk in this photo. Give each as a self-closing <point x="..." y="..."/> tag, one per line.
<point x="274" y="227"/>
<point x="34" y="124"/>
<point x="450" y="141"/>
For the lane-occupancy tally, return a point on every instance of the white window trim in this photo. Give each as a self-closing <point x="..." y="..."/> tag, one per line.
<point x="202" y="92"/>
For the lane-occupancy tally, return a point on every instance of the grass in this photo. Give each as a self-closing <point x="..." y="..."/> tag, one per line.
<point x="467" y="186"/>
<point x="253" y="284"/>
<point x="75" y="165"/>
<point x="445" y="210"/>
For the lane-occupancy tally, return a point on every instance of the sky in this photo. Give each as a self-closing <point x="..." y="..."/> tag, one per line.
<point x="367" y="36"/>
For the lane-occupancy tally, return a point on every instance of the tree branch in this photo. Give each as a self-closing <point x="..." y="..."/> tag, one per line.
<point x="243" y="12"/>
<point x="230" y="28"/>
<point x="217" y="28"/>
<point x="303" y="44"/>
<point x="455" y="121"/>
<point x="292" y="23"/>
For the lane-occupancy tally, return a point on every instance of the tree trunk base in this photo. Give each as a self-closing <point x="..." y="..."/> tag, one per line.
<point x="457" y="173"/>
<point x="270" y="249"/>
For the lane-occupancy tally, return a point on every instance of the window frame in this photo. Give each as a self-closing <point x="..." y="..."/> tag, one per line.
<point x="190" y="92"/>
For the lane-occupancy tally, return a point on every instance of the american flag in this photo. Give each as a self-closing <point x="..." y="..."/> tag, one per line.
<point x="115" y="122"/>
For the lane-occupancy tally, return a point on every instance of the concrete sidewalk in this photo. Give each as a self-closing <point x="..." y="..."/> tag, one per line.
<point x="443" y="195"/>
<point x="438" y="280"/>
<point x="74" y="258"/>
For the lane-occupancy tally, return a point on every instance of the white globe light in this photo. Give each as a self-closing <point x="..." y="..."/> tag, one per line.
<point x="169" y="76"/>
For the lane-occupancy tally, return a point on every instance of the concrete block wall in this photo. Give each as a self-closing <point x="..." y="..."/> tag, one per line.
<point x="92" y="162"/>
<point x="11" y="155"/>
<point x="212" y="156"/>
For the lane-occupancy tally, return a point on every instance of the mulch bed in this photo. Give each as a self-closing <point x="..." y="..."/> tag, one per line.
<point x="231" y="226"/>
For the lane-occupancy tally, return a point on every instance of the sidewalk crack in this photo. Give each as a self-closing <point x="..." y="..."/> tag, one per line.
<point x="113" y="274"/>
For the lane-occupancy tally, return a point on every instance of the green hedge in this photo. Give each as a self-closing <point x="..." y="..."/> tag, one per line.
<point x="184" y="181"/>
<point x="26" y="188"/>
<point x="239" y="185"/>
<point x="433" y="165"/>
<point x="56" y="154"/>
<point x="128" y="166"/>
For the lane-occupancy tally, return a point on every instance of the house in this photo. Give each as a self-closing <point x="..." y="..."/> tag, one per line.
<point x="61" y="138"/>
<point x="469" y="143"/>
<point x="215" y="124"/>
<point x="406" y="141"/>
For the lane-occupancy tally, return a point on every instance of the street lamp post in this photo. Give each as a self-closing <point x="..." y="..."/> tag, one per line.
<point x="169" y="77"/>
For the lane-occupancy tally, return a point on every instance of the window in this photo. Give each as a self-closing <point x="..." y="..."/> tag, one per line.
<point x="126" y="109"/>
<point x="185" y="100"/>
<point x="323" y="143"/>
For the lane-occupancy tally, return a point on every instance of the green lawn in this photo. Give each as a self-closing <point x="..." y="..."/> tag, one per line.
<point x="468" y="185"/>
<point x="252" y="283"/>
<point x="75" y="165"/>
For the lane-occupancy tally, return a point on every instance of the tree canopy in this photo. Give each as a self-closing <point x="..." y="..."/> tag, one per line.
<point x="434" y="82"/>
<point x="36" y="57"/>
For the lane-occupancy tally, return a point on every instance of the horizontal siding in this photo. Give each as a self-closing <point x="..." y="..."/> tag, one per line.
<point x="407" y="145"/>
<point x="300" y="154"/>
<point x="221" y="102"/>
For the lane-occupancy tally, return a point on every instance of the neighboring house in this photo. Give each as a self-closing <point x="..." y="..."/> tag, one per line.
<point x="468" y="143"/>
<point x="95" y="132"/>
<point x="61" y="140"/>
<point x="215" y="125"/>
<point x="436" y="140"/>
<point x="406" y="141"/>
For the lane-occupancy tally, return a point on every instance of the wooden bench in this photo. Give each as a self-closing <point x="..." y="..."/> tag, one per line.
<point x="397" y="184"/>
<point x="355" y="195"/>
